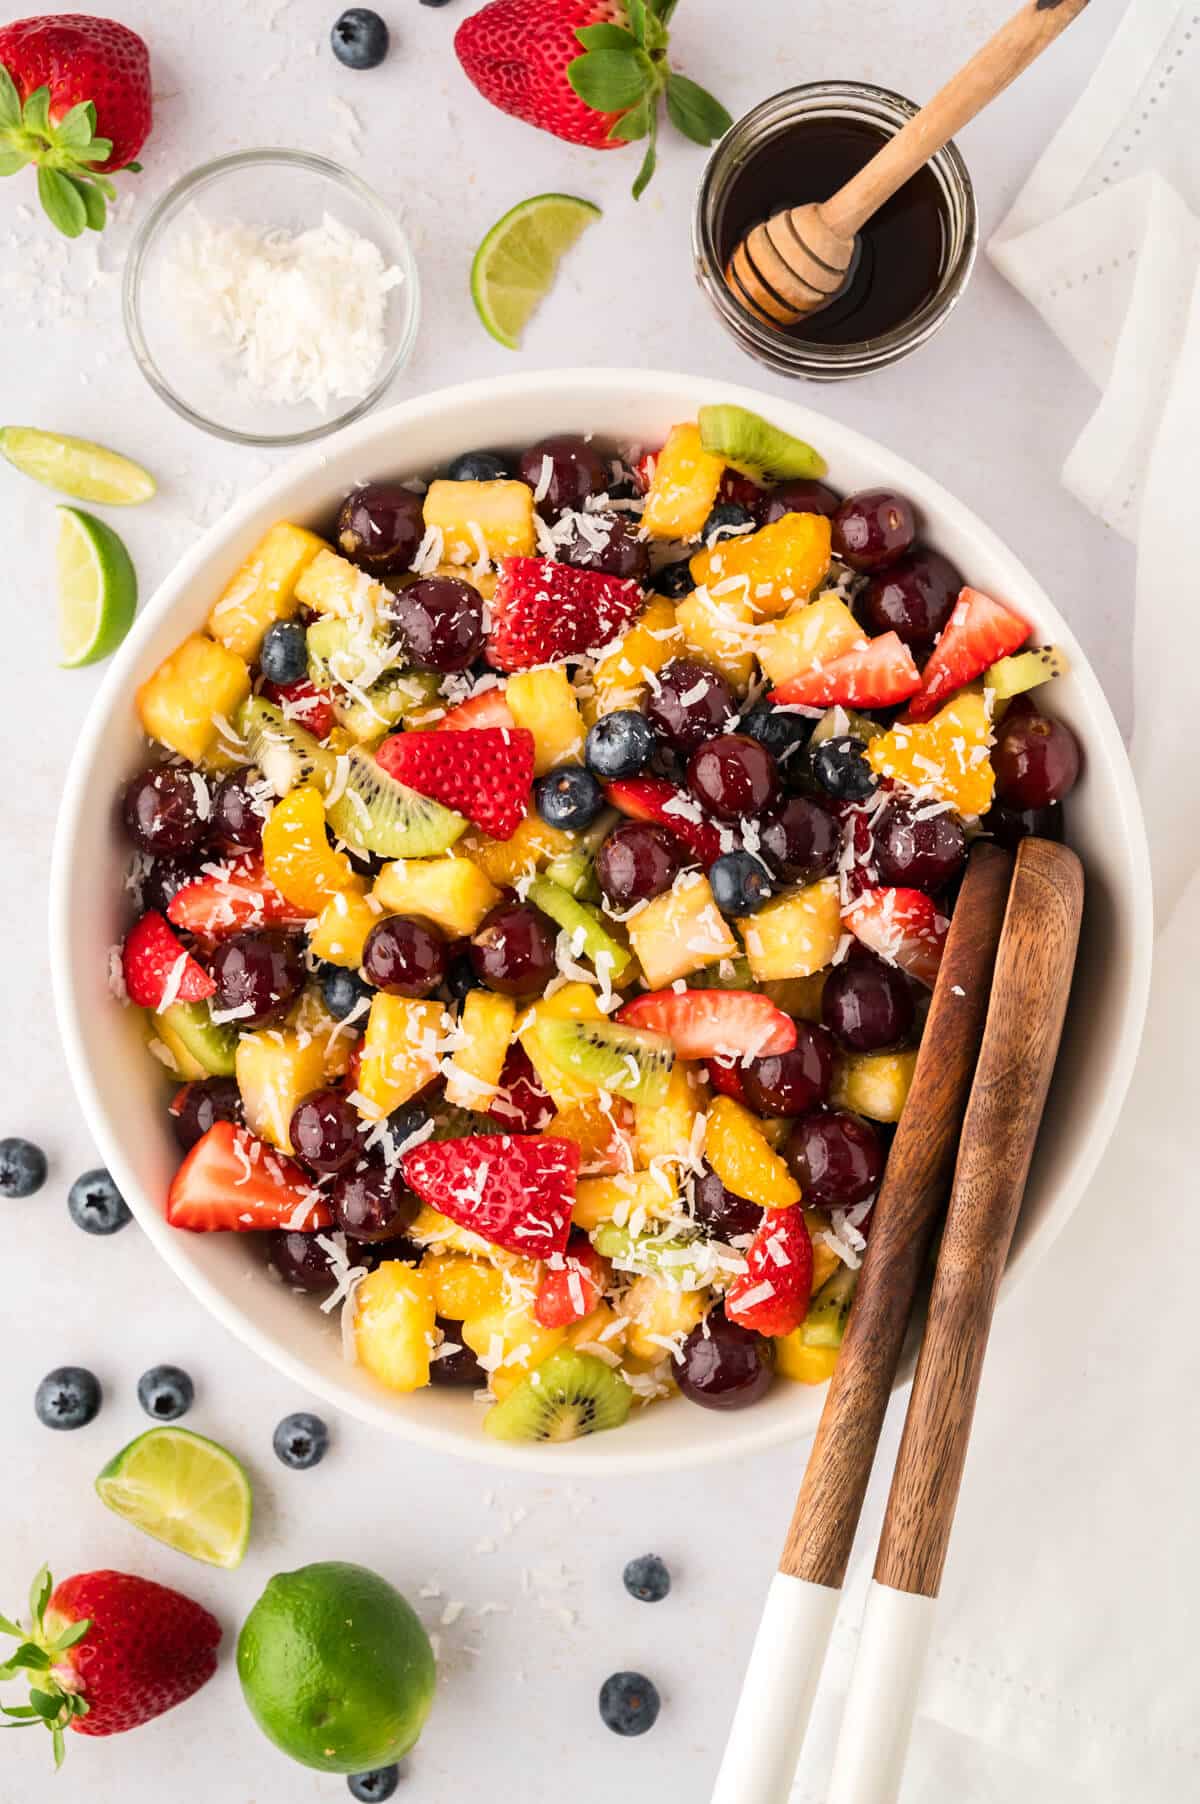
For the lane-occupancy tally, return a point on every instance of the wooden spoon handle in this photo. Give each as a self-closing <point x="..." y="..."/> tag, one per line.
<point x="988" y="73"/>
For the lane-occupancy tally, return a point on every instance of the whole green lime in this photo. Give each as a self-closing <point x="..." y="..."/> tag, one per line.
<point x="336" y="1668"/>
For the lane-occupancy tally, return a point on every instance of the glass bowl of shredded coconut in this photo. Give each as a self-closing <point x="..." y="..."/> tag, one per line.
<point x="271" y="297"/>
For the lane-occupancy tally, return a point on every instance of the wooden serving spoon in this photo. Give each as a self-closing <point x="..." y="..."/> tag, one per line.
<point x="799" y="259"/>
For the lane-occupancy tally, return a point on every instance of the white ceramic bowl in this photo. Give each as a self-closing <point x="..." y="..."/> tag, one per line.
<point x="122" y="1090"/>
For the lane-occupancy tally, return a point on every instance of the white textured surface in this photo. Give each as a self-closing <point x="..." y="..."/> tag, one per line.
<point x="989" y="408"/>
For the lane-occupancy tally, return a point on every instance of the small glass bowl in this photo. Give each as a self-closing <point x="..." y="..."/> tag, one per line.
<point x="268" y="190"/>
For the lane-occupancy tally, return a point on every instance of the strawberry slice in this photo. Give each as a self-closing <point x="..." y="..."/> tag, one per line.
<point x="979" y="632"/>
<point x="772" y="1295"/>
<point x="520" y="1104"/>
<point x="726" y="1080"/>
<point x="643" y="470"/>
<point x="571" y="1286"/>
<point x="879" y="674"/>
<point x="230" y="897"/>
<point x="487" y="709"/>
<point x="903" y="927"/>
<point x="517" y="1192"/>
<point x="702" y="1024"/>
<point x="158" y="967"/>
<point x="232" y="1181"/>
<point x="482" y="772"/>
<point x="654" y="799"/>
<point x="543" y="612"/>
<point x="310" y="707"/>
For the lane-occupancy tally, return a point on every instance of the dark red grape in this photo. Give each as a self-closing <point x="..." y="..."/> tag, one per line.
<point x="836" y="1159"/>
<point x="165" y="878"/>
<point x="404" y="957"/>
<point x="303" y="1263"/>
<point x="260" y="972"/>
<point x="721" y="1211"/>
<point x="325" y="1132"/>
<point x="913" y="597"/>
<point x="609" y="542"/>
<point x="637" y="862"/>
<point x="803" y="496"/>
<point x="239" y="811"/>
<point x="380" y="526"/>
<point x="789" y="1083"/>
<point x="724" y="1365"/>
<point x="917" y="848"/>
<point x="873" y="528"/>
<point x="513" y="951"/>
<point x="456" y="1368"/>
<point x="1036" y="761"/>
<point x="690" y="702"/>
<point x="440" y="622"/>
<point x="167" y="808"/>
<point x="1009" y="826"/>
<point x="799" y="840"/>
<point x="577" y="470"/>
<point x="198" y="1105"/>
<point x="733" y="775"/>
<point x="867" y="1004"/>
<point x="371" y="1203"/>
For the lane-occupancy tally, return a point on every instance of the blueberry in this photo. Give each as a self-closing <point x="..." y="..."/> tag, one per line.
<point x="840" y="767"/>
<point x="372" y="1788"/>
<point x="342" y="991"/>
<point x="476" y="466"/>
<point x="620" y="744"/>
<point x="166" y="1393"/>
<point x="22" y="1167"/>
<point x="406" y="1121"/>
<point x="782" y="732"/>
<point x="728" y="519"/>
<point x="629" y="1703"/>
<point x="569" y="798"/>
<point x="740" y="883"/>
<point x="359" y="38"/>
<point x="67" y="1397"/>
<point x="647" y="1579"/>
<point x="301" y="1441"/>
<point x="96" y="1205"/>
<point x="461" y="978"/>
<point x="674" y="580"/>
<point x="284" y="654"/>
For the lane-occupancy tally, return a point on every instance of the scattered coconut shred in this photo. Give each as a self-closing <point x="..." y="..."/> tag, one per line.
<point x="301" y="314"/>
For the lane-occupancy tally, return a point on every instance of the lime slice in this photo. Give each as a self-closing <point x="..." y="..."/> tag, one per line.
<point x="97" y="588"/>
<point x="76" y="467"/>
<point x="757" y="449"/>
<point x="183" y="1490"/>
<point x="517" y="262"/>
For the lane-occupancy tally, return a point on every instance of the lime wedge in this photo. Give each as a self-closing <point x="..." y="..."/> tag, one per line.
<point x="97" y="588"/>
<point x="183" y="1490"/>
<point x="76" y="467"/>
<point x="757" y="449"/>
<point x="517" y="262"/>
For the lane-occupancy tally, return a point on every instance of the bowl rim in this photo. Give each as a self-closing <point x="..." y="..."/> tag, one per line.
<point x="597" y="1457"/>
<point x="164" y="209"/>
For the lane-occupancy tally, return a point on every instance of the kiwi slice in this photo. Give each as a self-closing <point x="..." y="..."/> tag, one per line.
<point x="628" y="1060"/>
<point x="839" y="720"/>
<point x="648" y="1252"/>
<point x="574" y="916"/>
<point x="395" y="697"/>
<point x="188" y="1028"/>
<point x="829" y="1311"/>
<point x="568" y="1395"/>
<point x="576" y="870"/>
<point x="730" y="974"/>
<point x="1025" y="670"/>
<point x="751" y="445"/>
<point x="286" y="754"/>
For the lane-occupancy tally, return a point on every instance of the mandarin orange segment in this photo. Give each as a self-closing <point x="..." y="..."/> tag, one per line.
<point x="298" y="857"/>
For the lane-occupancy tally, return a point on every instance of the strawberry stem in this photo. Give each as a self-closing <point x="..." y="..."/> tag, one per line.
<point x="73" y="193"/>
<point x="56" y="1699"/>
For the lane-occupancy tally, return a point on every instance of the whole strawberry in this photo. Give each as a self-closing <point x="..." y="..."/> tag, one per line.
<point x="590" y="71"/>
<point x="107" y="1651"/>
<point x="74" y="101"/>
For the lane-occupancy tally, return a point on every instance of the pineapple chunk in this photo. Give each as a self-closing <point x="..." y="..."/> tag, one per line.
<point x="772" y="568"/>
<point x="806" y="1365"/>
<point x="544" y="701"/>
<point x="683" y="488"/>
<point x="275" y="1071"/>
<point x="509" y="1342"/>
<point x="199" y="680"/>
<point x="720" y="630"/>
<point x="817" y="631"/>
<point x="946" y="756"/>
<point x="741" y="1156"/>
<point x="664" y="1131"/>
<point x="794" y="935"/>
<point x="825" y="1260"/>
<point x="492" y="518"/>
<point x="680" y="932"/>
<point x="462" y="1287"/>
<point x="660" y="1314"/>
<point x="453" y="893"/>
<point x="799" y="997"/>
<point x="632" y="1197"/>
<point x="485" y="1028"/>
<point x="506" y="861"/>
<point x="264" y="589"/>
<point x="574" y="1002"/>
<point x="394" y="1325"/>
<point x="874" y="1083"/>
<point x="483" y="580"/>
<point x="620" y="678"/>
<point x="342" y="927"/>
<point x="602" y="1329"/>
<point x="311" y="1019"/>
<point x="333" y="585"/>
<point x="430" y="1228"/>
<point x="400" y="1052"/>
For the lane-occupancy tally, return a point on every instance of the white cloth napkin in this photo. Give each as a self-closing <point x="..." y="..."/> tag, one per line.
<point x="1066" y="1660"/>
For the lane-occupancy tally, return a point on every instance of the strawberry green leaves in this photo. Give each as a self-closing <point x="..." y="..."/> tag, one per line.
<point x="73" y="194"/>
<point x="53" y="1702"/>
<point x="625" y="70"/>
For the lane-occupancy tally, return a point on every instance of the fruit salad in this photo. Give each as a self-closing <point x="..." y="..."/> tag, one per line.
<point x="538" y="883"/>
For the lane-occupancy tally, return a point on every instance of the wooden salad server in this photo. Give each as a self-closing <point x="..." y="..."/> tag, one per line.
<point x="799" y="259"/>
